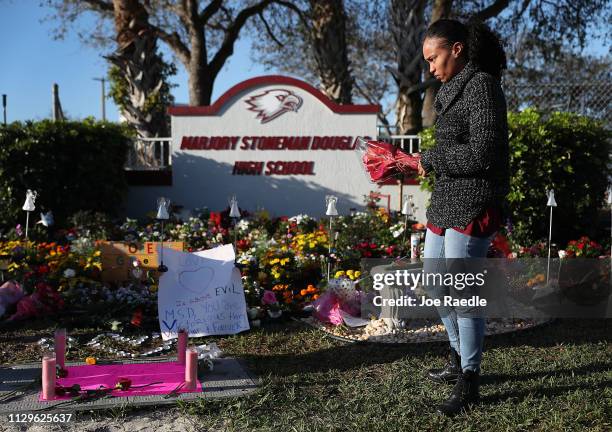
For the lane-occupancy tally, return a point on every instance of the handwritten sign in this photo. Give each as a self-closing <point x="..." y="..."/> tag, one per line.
<point x="201" y="292"/>
<point x="117" y="258"/>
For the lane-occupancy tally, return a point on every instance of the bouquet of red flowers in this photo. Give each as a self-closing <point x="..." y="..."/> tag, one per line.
<point x="383" y="161"/>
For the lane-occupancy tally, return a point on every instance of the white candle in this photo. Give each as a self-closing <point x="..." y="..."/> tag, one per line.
<point x="48" y="376"/>
<point x="191" y="369"/>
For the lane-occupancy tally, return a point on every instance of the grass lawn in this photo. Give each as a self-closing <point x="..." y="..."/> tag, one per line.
<point x="555" y="377"/>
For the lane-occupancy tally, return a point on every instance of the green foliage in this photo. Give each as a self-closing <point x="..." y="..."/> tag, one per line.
<point x="428" y="141"/>
<point x="72" y="165"/>
<point x="93" y="225"/>
<point x="157" y="102"/>
<point x="566" y="152"/>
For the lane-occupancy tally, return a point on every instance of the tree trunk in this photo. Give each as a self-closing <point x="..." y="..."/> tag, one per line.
<point x="407" y="27"/>
<point x="131" y="18"/>
<point x="201" y="81"/>
<point x="328" y="35"/>
<point x="200" y="74"/>
<point x="441" y="9"/>
<point x="141" y="67"/>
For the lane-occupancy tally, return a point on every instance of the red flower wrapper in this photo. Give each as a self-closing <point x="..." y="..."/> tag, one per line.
<point x="383" y="161"/>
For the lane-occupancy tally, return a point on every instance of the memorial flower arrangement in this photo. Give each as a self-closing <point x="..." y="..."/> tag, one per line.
<point x="310" y="243"/>
<point x="43" y="270"/>
<point x="194" y="232"/>
<point x="537" y="250"/>
<point x="285" y="256"/>
<point x="583" y="248"/>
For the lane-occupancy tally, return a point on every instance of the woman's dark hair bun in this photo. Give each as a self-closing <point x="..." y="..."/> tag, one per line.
<point x="483" y="46"/>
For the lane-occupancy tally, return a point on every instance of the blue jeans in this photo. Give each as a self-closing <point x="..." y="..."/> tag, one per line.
<point x="466" y="334"/>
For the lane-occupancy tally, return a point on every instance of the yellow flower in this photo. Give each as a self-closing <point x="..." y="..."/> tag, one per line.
<point x="90" y="360"/>
<point x="274" y="261"/>
<point x="357" y="274"/>
<point x="339" y="273"/>
<point x="97" y="253"/>
<point x="284" y="261"/>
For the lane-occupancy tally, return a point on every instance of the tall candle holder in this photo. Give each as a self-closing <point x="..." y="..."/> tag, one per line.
<point x="550" y="203"/>
<point x="29" y="206"/>
<point x="331" y="211"/>
<point x="181" y="346"/>
<point x="163" y="205"/>
<point x="191" y="368"/>
<point x="60" y="347"/>
<point x="48" y="375"/>
<point x="235" y="215"/>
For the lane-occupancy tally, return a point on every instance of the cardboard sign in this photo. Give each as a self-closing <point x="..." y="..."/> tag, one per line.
<point x="117" y="258"/>
<point x="201" y="292"/>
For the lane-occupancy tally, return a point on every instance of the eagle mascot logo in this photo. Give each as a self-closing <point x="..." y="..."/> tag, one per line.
<point x="273" y="103"/>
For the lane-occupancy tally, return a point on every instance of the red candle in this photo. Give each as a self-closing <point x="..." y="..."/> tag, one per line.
<point x="191" y="369"/>
<point x="60" y="347"/>
<point x="48" y="376"/>
<point x="181" y="346"/>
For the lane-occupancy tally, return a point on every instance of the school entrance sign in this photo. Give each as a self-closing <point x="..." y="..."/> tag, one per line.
<point x="275" y="142"/>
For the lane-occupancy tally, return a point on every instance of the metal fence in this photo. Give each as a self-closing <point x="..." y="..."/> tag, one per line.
<point x="149" y="154"/>
<point x="592" y="100"/>
<point x="408" y="143"/>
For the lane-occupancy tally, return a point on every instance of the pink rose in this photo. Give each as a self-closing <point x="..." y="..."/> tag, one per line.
<point x="269" y="297"/>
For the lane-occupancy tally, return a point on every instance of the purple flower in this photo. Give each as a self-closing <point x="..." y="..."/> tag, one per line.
<point x="509" y="226"/>
<point x="19" y="230"/>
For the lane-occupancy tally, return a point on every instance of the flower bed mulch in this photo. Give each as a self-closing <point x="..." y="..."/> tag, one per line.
<point x="416" y="331"/>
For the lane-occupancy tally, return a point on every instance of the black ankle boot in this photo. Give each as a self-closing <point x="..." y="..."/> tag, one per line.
<point x="449" y="373"/>
<point x="464" y="394"/>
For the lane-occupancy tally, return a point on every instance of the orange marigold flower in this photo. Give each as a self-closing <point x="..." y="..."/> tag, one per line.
<point x="90" y="360"/>
<point x="316" y="296"/>
<point x="303" y="292"/>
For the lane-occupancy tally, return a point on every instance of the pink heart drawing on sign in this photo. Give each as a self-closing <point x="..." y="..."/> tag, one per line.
<point x="197" y="280"/>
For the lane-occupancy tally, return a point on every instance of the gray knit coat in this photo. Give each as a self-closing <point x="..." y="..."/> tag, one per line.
<point x="470" y="158"/>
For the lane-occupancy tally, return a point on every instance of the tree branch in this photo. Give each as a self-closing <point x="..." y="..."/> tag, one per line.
<point x="491" y="11"/>
<point x="210" y="10"/>
<point x="269" y="30"/>
<point x="227" y="47"/>
<point x="300" y="13"/>
<point x="174" y="42"/>
<point x="100" y="5"/>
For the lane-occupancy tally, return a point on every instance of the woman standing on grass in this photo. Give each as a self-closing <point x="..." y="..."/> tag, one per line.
<point x="471" y="166"/>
